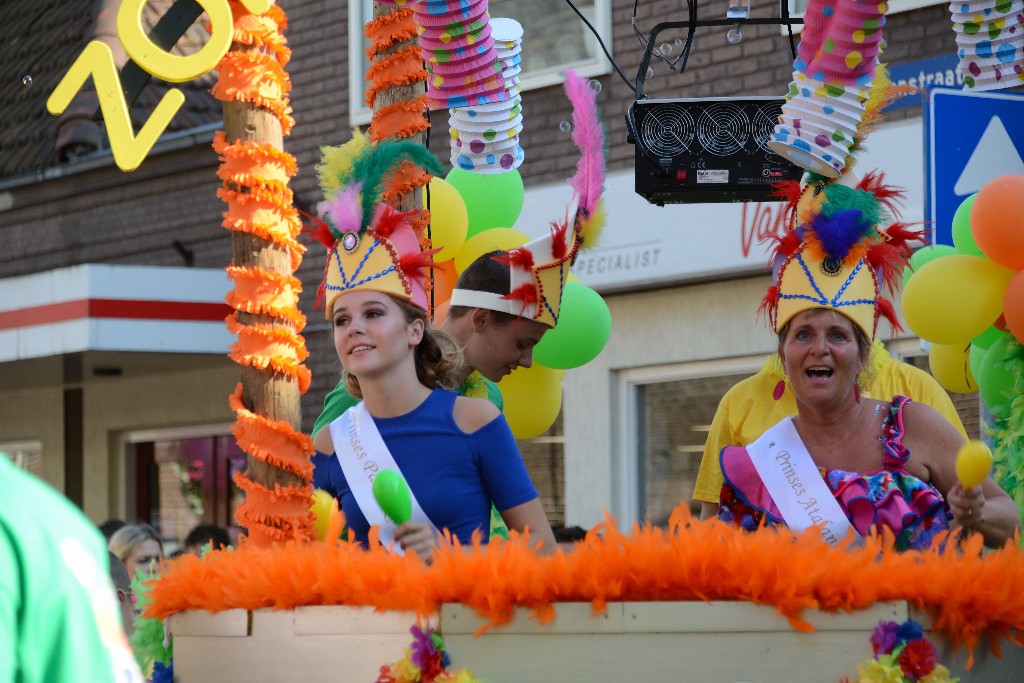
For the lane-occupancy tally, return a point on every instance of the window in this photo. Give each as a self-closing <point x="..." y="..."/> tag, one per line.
<point x="668" y="412"/>
<point x="554" y="40"/>
<point x="176" y="479"/>
<point x="798" y="7"/>
<point x="28" y="455"/>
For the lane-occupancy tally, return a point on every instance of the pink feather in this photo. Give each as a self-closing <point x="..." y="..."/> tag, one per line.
<point x="588" y="134"/>
<point x="344" y="210"/>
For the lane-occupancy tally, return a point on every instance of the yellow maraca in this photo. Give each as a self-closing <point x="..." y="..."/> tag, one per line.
<point x="973" y="463"/>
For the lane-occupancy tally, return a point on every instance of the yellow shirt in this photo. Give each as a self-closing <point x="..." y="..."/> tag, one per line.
<point x="747" y="410"/>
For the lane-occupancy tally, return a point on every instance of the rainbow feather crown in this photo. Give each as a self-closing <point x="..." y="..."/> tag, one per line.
<point x="371" y="245"/>
<point x="836" y="255"/>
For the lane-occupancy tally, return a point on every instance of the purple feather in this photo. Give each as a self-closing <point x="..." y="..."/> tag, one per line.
<point x="839" y="231"/>
<point x="588" y="134"/>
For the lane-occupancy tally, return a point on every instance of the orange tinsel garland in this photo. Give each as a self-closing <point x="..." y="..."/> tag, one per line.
<point x="969" y="593"/>
<point x="271" y="441"/>
<point x="255" y="187"/>
<point x="259" y="291"/>
<point x="402" y="67"/>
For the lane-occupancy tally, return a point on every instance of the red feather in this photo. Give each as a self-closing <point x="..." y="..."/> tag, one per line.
<point x="321" y="291"/>
<point x="769" y="304"/>
<point x="790" y="191"/>
<point x="900" y="235"/>
<point x="413" y="264"/>
<point x="786" y="245"/>
<point x="887" y="259"/>
<point x="885" y="308"/>
<point x="888" y="196"/>
<point x="559" y="249"/>
<point x="521" y="258"/>
<point x="526" y="293"/>
<point x="387" y="219"/>
<point x="319" y="230"/>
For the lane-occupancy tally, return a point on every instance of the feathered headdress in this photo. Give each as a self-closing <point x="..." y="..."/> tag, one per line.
<point x="370" y="245"/>
<point x="836" y="254"/>
<point x="540" y="268"/>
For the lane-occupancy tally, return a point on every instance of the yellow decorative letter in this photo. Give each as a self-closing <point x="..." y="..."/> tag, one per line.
<point x="97" y="61"/>
<point x="164" y="65"/>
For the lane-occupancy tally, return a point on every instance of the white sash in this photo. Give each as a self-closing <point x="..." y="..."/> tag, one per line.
<point x="796" y="486"/>
<point x="362" y="454"/>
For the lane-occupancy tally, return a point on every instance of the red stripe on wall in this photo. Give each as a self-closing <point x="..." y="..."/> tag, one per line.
<point x="129" y="309"/>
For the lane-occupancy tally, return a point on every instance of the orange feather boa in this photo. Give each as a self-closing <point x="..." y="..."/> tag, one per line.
<point x="970" y="593"/>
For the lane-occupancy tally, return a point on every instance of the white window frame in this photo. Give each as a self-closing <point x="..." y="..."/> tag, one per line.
<point x="626" y="437"/>
<point x="895" y="7"/>
<point x="359" y="114"/>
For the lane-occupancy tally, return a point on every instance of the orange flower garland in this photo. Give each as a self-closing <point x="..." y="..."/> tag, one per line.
<point x="255" y="188"/>
<point x="968" y="592"/>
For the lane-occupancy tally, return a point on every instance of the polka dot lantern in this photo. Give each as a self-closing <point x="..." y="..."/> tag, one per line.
<point x="832" y="75"/>
<point x="485" y="136"/>
<point x="457" y="43"/>
<point x="990" y="42"/>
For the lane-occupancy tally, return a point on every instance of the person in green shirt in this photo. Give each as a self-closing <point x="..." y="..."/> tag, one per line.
<point x="59" y="619"/>
<point x="495" y="341"/>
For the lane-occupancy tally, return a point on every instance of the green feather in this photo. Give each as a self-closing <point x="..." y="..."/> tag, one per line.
<point x="1008" y="432"/>
<point x="840" y="197"/>
<point x="148" y="639"/>
<point x="375" y="166"/>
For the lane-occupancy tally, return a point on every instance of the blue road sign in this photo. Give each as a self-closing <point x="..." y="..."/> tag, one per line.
<point x="928" y="74"/>
<point x="970" y="138"/>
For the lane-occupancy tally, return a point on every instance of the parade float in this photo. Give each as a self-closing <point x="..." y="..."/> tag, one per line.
<point x="693" y="601"/>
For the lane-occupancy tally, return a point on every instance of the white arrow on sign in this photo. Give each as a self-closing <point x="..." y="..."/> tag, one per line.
<point x="995" y="155"/>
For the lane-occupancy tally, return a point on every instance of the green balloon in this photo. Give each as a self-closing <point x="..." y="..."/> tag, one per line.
<point x="926" y="255"/>
<point x="987" y="338"/>
<point x="963" y="239"/>
<point x="392" y="494"/>
<point x="493" y="200"/>
<point x="584" y="325"/>
<point x="996" y="382"/>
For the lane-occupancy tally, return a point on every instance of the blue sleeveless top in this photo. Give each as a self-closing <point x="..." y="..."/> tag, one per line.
<point x="453" y="475"/>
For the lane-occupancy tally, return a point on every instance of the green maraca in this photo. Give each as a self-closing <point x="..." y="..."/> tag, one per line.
<point x="392" y="494"/>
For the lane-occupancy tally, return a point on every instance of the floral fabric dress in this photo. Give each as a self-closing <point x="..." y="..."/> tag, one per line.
<point x="889" y="497"/>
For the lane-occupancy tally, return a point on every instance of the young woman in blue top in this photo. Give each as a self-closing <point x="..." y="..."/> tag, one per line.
<point x="457" y="454"/>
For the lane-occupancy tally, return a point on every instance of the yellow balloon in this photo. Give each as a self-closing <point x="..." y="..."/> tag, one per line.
<point x="955" y="298"/>
<point x="950" y="365"/>
<point x="449" y="219"/>
<point x="320" y="505"/>
<point x="487" y="241"/>
<point x="533" y="398"/>
<point x="973" y="463"/>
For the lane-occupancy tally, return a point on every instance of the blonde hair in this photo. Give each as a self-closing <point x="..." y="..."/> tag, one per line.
<point x="129" y="537"/>
<point x="438" y="356"/>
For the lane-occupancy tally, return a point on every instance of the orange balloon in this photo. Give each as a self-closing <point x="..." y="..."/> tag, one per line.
<point x="444" y="280"/>
<point x="1013" y="306"/>
<point x="441" y="312"/>
<point x="997" y="220"/>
